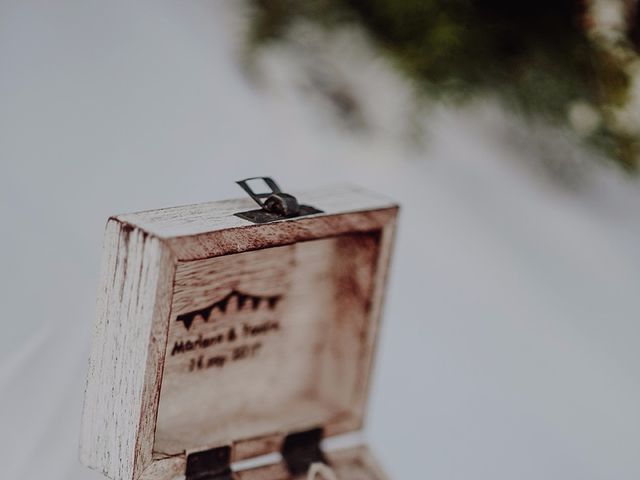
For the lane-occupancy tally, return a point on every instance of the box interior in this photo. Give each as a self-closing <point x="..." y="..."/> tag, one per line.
<point x="268" y="341"/>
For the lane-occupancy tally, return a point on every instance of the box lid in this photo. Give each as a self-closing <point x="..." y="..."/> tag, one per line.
<point x="215" y="331"/>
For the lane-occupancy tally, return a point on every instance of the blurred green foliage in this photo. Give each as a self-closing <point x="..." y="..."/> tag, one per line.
<point x="534" y="55"/>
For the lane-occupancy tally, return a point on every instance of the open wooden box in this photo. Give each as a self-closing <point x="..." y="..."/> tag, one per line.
<point x="219" y="339"/>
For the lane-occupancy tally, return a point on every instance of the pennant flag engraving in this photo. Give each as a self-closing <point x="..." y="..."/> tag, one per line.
<point x="187" y="319"/>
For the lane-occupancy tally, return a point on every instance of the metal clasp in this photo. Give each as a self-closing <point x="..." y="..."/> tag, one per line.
<point x="300" y="450"/>
<point x="214" y="464"/>
<point x="274" y="204"/>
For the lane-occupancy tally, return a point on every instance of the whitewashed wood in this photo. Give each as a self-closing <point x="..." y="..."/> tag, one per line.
<point x="308" y="366"/>
<point x="208" y="217"/>
<point x="142" y="253"/>
<point x="123" y="381"/>
<point x="387" y="238"/>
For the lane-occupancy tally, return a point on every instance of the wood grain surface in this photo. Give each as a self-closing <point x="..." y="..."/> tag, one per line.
<point x="255" y="367"/>
<point x="215" y="331"/>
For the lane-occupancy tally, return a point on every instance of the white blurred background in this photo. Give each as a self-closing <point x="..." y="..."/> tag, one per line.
<point x="510" y="340"/>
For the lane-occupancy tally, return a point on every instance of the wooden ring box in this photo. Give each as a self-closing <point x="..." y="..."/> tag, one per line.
<point x="219" y="340"/>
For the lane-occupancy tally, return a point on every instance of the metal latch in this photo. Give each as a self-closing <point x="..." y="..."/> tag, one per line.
<point x="274" y="204"/>
<point x="302" y="449"/>
<point x="214" y="464"/>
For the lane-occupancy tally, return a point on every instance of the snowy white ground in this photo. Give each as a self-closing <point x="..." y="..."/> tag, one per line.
<point x="510" y="344"/>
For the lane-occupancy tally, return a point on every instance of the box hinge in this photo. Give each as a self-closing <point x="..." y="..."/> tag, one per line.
<point x="274" y="204"/>
<point x="301" y="449"/>
<point x="214" y="464"/>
